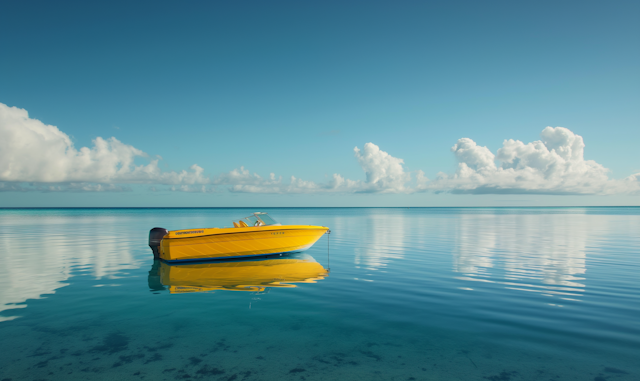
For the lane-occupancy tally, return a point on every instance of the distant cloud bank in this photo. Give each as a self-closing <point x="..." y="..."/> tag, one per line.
<point x="39" y="157"/>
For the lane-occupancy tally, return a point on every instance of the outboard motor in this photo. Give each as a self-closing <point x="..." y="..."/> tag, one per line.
<point x="155" y="236"/>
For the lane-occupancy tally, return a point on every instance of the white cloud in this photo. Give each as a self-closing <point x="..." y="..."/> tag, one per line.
<point x="39" y="157"/>
<point x="337" y="184"/>
<point x="62" y="187"/>
<point x="473" y="156"/>
<point x="242" y="176"/>
<point x="256" y="184"/>
<point x="384" y="174"/>
<point x="553" y="165"/>
<point x="88" y="187"/>
<point x="31" y="151"/>
<point x="191" y="189"/>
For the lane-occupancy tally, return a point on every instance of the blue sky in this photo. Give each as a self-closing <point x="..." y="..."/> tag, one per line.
<point x="291" y="88"/>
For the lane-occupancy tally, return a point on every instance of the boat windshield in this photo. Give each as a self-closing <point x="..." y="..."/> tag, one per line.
<point x="266" y="219"/>
<point x="260" y="219"/>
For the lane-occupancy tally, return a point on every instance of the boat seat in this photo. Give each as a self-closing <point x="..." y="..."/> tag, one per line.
<point x="242" y="224"/>
<point x="235" y="224"/>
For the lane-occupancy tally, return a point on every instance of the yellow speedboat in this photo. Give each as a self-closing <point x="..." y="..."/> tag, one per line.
<point x="256" y="235"/>
<point x="248" y="275"/>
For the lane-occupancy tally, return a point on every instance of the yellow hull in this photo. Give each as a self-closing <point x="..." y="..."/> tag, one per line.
<point x="255" y="275"/>
<point x="204" y="244"/>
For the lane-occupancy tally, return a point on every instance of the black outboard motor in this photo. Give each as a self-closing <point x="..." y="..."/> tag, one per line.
<point x="155" y="236"/>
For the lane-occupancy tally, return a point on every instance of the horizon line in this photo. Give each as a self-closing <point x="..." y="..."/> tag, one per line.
<point x="305" y="207"/>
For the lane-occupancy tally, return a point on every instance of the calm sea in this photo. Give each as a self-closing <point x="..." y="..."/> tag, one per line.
<point x="493" y="294"/>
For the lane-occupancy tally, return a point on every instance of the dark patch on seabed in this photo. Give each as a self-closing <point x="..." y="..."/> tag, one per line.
<point x="155" y="357"/>
<point x="612" y="373"/>
<point x="128" y="359"/>
<point x="503" y="376"/>
<point x="371" y="355"/>
<point x="336" y="359"/>
<point x="195" y="360"/>
<point x="112" y="343"/>
<point x="208" y="370"/>
<point x="159" y="346"/>
<point x="614" y="370"/>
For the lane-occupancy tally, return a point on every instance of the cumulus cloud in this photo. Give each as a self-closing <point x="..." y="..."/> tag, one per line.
<point x="31" y="151"/>
<point x="553" y="165"/>
<point x="384" y="174"/>
<point x="39" y="157"/>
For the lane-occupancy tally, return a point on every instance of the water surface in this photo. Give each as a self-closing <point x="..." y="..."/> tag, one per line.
<point x="410" y="294"/>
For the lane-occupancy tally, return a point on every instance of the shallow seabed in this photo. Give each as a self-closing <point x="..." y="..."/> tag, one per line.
<point x="412" y="294"/>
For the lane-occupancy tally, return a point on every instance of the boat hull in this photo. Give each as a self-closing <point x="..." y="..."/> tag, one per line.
<point x="208" y="244"/>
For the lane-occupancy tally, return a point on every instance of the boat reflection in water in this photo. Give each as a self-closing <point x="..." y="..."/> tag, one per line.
<point x="236" y="275"/>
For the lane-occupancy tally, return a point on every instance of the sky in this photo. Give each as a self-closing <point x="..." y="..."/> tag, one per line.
<point x="333" y="103"/>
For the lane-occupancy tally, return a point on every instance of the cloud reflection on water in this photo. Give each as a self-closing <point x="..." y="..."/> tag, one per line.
<point x="37" y="259"/>
<point x="528" y="252"/>
<point x="382" y="240"/>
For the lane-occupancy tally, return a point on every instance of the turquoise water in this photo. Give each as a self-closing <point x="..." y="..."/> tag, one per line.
<point x="412" y="294"/>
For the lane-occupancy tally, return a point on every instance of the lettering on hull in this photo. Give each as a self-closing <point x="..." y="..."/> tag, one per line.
<point x="190" y="232"/>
